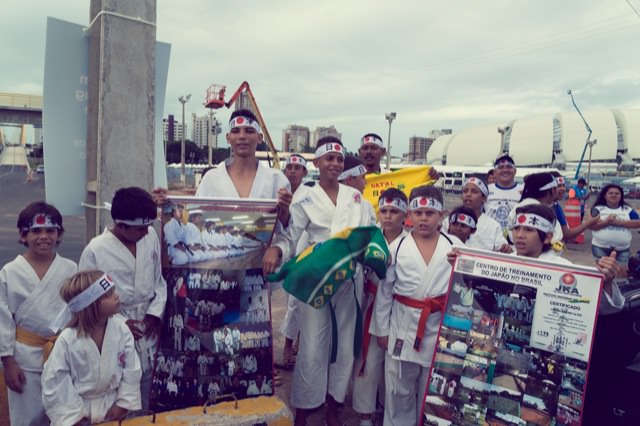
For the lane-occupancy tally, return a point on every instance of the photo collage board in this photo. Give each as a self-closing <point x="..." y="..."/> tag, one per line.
<point x="514" y="343"/>
<point x="217" y="336"/>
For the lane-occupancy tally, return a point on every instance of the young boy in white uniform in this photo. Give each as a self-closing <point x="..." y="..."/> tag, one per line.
<point x="322" y="211"/>
<point x="129" y="252"/>
<point x="418" y="281"/>
<point x="29" y="303"/>
<point x="368" y="377"/>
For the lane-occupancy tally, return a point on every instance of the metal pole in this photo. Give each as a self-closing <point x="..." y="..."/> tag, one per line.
<point x="182" y="148"/>
<point x="591" y="144"/>
<point x="390" y="117"/>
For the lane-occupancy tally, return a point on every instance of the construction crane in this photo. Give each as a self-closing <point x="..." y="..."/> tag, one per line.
<point x="215" y="100"/>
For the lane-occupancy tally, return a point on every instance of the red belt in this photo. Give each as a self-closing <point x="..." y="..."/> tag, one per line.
<point x="372" y="289"/>
<point x="427" y="306"/>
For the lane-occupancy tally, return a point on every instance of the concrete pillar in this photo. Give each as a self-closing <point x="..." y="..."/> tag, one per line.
<point x="120" y="116"/>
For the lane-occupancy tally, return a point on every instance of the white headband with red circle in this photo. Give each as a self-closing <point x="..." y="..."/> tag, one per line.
<point x="329" y="147"/>
<point x="479" y="183"/>
<point x="356" y="171"/>
<point x="296" y="159"/>
<point x="372" y="139"/>
<point x="532" y="220"/>
<point x="462" y="218"/>
<point x="425" y="203"/>
<point x="393" y="202"/>
<point x="242" y="121"/>
<point x="42" y="220"/>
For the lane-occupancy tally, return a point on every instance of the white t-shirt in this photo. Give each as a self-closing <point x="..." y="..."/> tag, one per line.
<point x="617" y="237"/>
<point x="501" y="201"/>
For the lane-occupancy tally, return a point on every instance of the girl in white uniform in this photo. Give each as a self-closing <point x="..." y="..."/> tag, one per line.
<point x="415" y="290"/>
<point x="93" y="373"/>
<point x="368" y="377"/>
<point x="29" y="302"/>
<point x="322" y="211"/>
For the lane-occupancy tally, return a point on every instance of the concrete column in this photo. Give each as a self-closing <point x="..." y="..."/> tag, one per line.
<point x="120" y="116"/>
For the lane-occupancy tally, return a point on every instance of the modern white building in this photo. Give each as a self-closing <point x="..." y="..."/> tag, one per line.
<point x="554" y="139"/>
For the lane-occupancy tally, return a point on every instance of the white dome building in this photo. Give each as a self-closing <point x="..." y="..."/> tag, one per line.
<point x="542" y="141"/>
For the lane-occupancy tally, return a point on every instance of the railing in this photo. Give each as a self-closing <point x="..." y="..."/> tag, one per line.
<point x="15" y="100"/>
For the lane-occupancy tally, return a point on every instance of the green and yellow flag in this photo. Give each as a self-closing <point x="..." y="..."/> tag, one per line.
<point x="317" y="273"/>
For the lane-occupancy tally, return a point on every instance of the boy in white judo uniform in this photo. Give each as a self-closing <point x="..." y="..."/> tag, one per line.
<point x="129" y="252"/>
<point x="411" y="304"/>
<point x="322" y="211"/>
<point x="29" y="302"/>
<point x="461" y="223"/>
<point x="93" y="373"/>
<point x="368" y="377"/>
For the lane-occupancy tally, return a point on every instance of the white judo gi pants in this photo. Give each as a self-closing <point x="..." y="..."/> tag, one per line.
<point x="405" y="384"/>
<point x="290" y="325"/>
<point x="314" y="376"/>
<point x="26" y="408"/>
<point x="368" y="383"/>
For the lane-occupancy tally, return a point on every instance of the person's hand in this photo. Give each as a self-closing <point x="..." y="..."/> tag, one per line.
<point x="505" y="248"/>
<point x="591" y="220"/>
<point x="13" y="375"/>
<point x="433" y="173"/>
<point x="383" y="341"/>
<point x="136" y="328"/>
<point x="115" y="413"/>
<point x="451" y="256"/>
<point x="284" y="198"/>
<point x="159" y="196"/>
<point x="152" y="326"/>
<point x="608" y="266"/>
<point x="271" y="259"/>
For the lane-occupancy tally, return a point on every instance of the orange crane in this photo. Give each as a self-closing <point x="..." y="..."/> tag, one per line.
<point x="215" y="100"/>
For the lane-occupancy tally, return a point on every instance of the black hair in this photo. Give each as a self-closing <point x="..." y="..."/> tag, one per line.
<point x="532" y="184"/>
<point x="351" y="161"/>
<point x="132" y="203"/>
<point x="490" y="172"/>
<point x="244" y="113"/>
<point x="582" y="180"/>
<point x="504" y="157"/>
<point x="25" y="218"/>
<point x="328" y="139"/>
<point x="544" y="212"/>
<point x="601" y="200"/>
<point x="463" y="210"/>
<point x="426" y="191"/>
<point x="393" y="193"/>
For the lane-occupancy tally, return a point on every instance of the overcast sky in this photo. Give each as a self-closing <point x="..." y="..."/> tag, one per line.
<point x="452" y="64"/>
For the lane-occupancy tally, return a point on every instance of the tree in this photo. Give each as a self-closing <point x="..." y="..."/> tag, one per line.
<point x="192" y="153"/>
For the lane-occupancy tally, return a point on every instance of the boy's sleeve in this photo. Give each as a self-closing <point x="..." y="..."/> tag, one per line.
<point x="156" y="308"/>
<point x="60" y="399"/>
<point x="287" y="239"/>
<point x="87" y="260"/>
<point x="611" y="304"/>
<point x="8" y="328"/>
<point x="129" y="390"/>
<point x="383" y="303"/>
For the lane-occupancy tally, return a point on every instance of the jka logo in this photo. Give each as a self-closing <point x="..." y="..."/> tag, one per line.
<point x="568" y="284"/>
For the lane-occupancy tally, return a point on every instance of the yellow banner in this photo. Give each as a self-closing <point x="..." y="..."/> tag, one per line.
<point x="403" y="179"/>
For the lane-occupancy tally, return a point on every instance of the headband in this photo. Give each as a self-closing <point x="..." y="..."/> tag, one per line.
<point x="549" y="185"/>
<point x="393" y="202"/>
<point x="139" y="221"/>
<point x="295" y="159"/>
<point x="560" y="180"/>
<point x="242" y="121"/>
<point x="425" y="203"/>
<point x="504" y="163"/>
<point x="465" y="219"/>
<point x="41" y="220"/>
<point x="329" y="147"/>
<point x="81" y="301"/>
<point x="533" y="221"/>
<point x="479" y="183"/>
<point x="372" y="139"/>
<point x="358" y="170"/>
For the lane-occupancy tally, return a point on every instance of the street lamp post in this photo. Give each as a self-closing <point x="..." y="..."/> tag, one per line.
<point x="502" y="131"/>
<point x="590" y="143"/>
<point x="183" y="100"/>
<point x="390" y="116"/>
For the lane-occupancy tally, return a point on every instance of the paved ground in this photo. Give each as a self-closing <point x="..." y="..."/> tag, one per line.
<point x="15" y="193"/>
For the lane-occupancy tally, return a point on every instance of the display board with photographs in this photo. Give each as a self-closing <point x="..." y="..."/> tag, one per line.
<point x="514" y="343"/>
<point x="216" y="337"/>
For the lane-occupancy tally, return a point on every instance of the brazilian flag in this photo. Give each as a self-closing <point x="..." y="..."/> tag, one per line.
<point x="317" y="273"/>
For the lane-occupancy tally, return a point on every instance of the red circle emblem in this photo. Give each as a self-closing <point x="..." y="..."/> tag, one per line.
<point x="40" y="219"/>
<point x="239" y="120"/>
<point x="338" y="148"/>
<point x="423" y="202"/>
<point x="389" y="200"/>
<point x="522" y="219"/>
<point x="461" y="217"/>
<point x="568" y="279"/>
